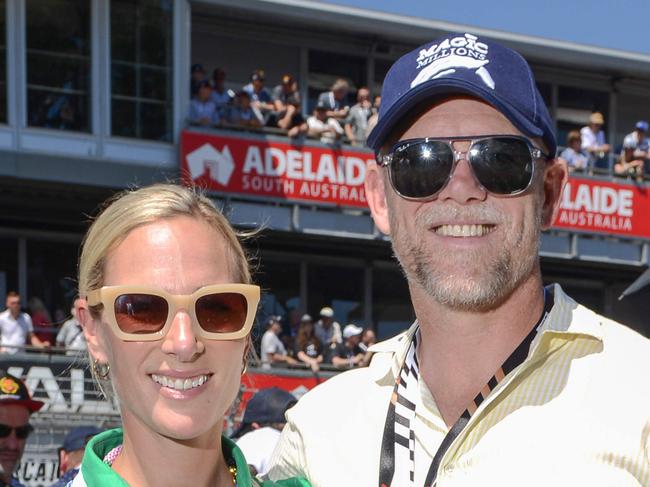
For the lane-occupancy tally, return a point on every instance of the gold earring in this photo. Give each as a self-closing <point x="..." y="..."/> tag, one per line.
<point x="102" y="371"/>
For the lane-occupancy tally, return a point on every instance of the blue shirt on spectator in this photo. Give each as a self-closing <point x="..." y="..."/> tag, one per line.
<point x="200" y="110"/>
<point x="262" y="96"/>
<point x="575" y="159"/>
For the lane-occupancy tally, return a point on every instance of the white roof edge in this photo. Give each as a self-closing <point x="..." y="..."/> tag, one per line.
<point x="453" y="27"/>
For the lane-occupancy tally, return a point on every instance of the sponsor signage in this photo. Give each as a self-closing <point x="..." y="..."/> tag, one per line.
<point x="257" y="167"/>
<point x="603" y="207"/>
<point x="261" y="168"/>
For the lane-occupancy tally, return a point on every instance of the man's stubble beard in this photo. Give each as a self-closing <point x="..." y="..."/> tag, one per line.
<point x="500" y="272"/>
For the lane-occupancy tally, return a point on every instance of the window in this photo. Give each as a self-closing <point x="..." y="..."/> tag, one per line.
<point x="338" y="286"/>
<point x="58" y="64"/>
<point x="141" y="69"/>
<point x="574" y="107"/>
<point x="392" y="311"/>
<point x="327" y="67"/>
<point x="280" y="282"/>
<point x="3" y="62"/>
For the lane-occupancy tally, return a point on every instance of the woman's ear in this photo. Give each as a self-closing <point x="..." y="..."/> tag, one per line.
<point x="90" y="327"/>
<point x="556" y="175"/>
<point x="376" y="196"/>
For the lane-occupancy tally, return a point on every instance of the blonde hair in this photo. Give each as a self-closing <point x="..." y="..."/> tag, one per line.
<point x="133" y="208"/>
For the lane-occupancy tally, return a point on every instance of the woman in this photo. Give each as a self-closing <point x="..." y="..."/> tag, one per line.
<point x="308" y="348"/>
<point x="166" y="308"/>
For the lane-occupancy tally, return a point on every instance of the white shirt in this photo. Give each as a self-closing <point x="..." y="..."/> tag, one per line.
<point x="14" y="331"/>
<point x="326" y="137"/>
<point x="575" y="412"/>
<point x="271" y="344"/>
<point x="258" y="445"/>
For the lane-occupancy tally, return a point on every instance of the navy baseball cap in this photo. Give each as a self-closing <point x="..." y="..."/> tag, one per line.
<point x="77" y="438"/>
<point x="268" y="406"/>
<point x="464" y="64"/>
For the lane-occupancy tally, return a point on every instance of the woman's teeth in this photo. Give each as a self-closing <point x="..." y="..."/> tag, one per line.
<point x="179" y="384"/>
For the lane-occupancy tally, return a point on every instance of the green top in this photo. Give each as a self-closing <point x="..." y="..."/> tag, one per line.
<point x="95" y="473"/>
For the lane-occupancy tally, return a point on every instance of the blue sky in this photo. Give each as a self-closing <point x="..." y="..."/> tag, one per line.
<point x="621" y="24"/>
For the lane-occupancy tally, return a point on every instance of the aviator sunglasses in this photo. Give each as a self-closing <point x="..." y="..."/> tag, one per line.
<point x="22" y="432"/>
<point x="142" y="313"/>
<point x="503" y="165"/>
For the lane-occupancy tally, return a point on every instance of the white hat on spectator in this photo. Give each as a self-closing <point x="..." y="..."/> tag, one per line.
<point x="352" y="330"/>
<point x="305" y="317"/>
<point x="327" y="312"/>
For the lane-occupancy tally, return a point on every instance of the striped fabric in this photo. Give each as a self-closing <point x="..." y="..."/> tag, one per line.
<point x="576" y="411"/>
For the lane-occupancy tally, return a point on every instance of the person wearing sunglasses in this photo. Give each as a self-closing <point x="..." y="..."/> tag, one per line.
<point x="500" y="381"/>
<point x="16" y="407"/>
<point x="166" y="305"/>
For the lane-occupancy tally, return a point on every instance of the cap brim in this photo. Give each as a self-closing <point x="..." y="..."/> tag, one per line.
<point x="30" y="404"/>
<point x="445" y="86"/>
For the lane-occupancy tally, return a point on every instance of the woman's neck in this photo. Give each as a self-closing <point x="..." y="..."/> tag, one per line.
<point x="150" y="459"/>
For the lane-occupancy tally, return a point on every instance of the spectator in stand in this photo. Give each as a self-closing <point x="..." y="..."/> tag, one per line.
<point x="308" y="348"/>
<point x="281" y="95"/>
<point x="372" y="121"/>
<point x="259" y="95"/>
<point x="71" y="335"/>
<point x="244" y="114"/>
<point x="327" y="129"/>
<point x="203" y="111"/>
<point x="273" y="350"/>
<point x="639" y="140"/>
<point x="41" y="321"/>
<point x="576" y="158"/>
<point x="72" y="451"/>
<point x="356" y="125"/>
<point x="335" y="100"/>
<point x="16" y="329"/>
<point x="292" y="120"/>
<point x="593" y="137"/>
<point x="328" y="332"/>
<point x="221" y="96"/>
<point x="368" y="339"/>
<point x="260" y="429"/>
<point x="348" y="354"/>
<point x="16" y="406"/>
<point x="197" y="77"/>
<point x="628" y="164"/>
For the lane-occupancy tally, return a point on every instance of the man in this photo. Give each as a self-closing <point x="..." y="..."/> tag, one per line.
<point x="203" y="111"/>
<point x="593" y="137"/>
<point x="16" y="329"/>
<point x="639" y="140"/>
<point x="221" y="96"/>
<point x="357" y="122"/>
<point x="272" y="349"/>
<point x="16" y="406"/>
<point x="368" y="339"/>
<point x="500" y="381"/>
<point x="197" y="75"/>
<point x="71" y="335"/>
<point x="260" y="429"/>
<point x="335" y="101"/>
<point x="628" y="163"/>
<point x="328" y="333"/>
<point x="348" y="354"/>
<point x="259" y="95"/>
<point x="576" y="158"/>
<point x="72" y="452"/>
<point x="320" y="126"/>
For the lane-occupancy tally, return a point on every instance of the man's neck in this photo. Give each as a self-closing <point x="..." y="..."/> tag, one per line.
<point x="460" y="350"/>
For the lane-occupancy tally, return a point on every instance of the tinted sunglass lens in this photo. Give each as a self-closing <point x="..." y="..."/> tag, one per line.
<point x="23" y="432"/>
<point x="420" y="170"/>
<point x="140" y="313"/>
<point x="222" y="312"/>
<point x="503" y="165"/>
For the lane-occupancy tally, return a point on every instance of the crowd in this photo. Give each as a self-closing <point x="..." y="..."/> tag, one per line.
<point x="588" y="151"/>
<point x="333" y="119"/>
<point x="19" y="329"/>
<point x="314" y="343"/>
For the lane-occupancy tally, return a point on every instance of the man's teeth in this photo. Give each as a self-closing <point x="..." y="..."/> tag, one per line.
<point x="179" y="384"/>
<point x="463" y="230"/>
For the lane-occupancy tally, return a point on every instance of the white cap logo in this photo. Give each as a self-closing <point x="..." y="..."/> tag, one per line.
<point x="445" y="58"/>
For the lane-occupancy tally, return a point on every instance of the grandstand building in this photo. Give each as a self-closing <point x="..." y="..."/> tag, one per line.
<point x="94" y="97"/>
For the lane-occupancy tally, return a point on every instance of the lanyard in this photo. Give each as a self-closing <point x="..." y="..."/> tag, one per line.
<point x="398" y="441"/>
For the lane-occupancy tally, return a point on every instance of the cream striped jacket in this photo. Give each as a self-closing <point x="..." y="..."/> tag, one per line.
<point x="575" y="413"/>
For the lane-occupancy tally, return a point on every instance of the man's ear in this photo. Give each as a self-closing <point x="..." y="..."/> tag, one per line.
<point x="376" y="196"/>
<point x="91" y="330"/>
<point x="556" y="174"/>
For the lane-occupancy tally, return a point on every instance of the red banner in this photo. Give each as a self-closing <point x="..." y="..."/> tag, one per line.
<point x="603" y="207"/>
<point x="257" y="167"/>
